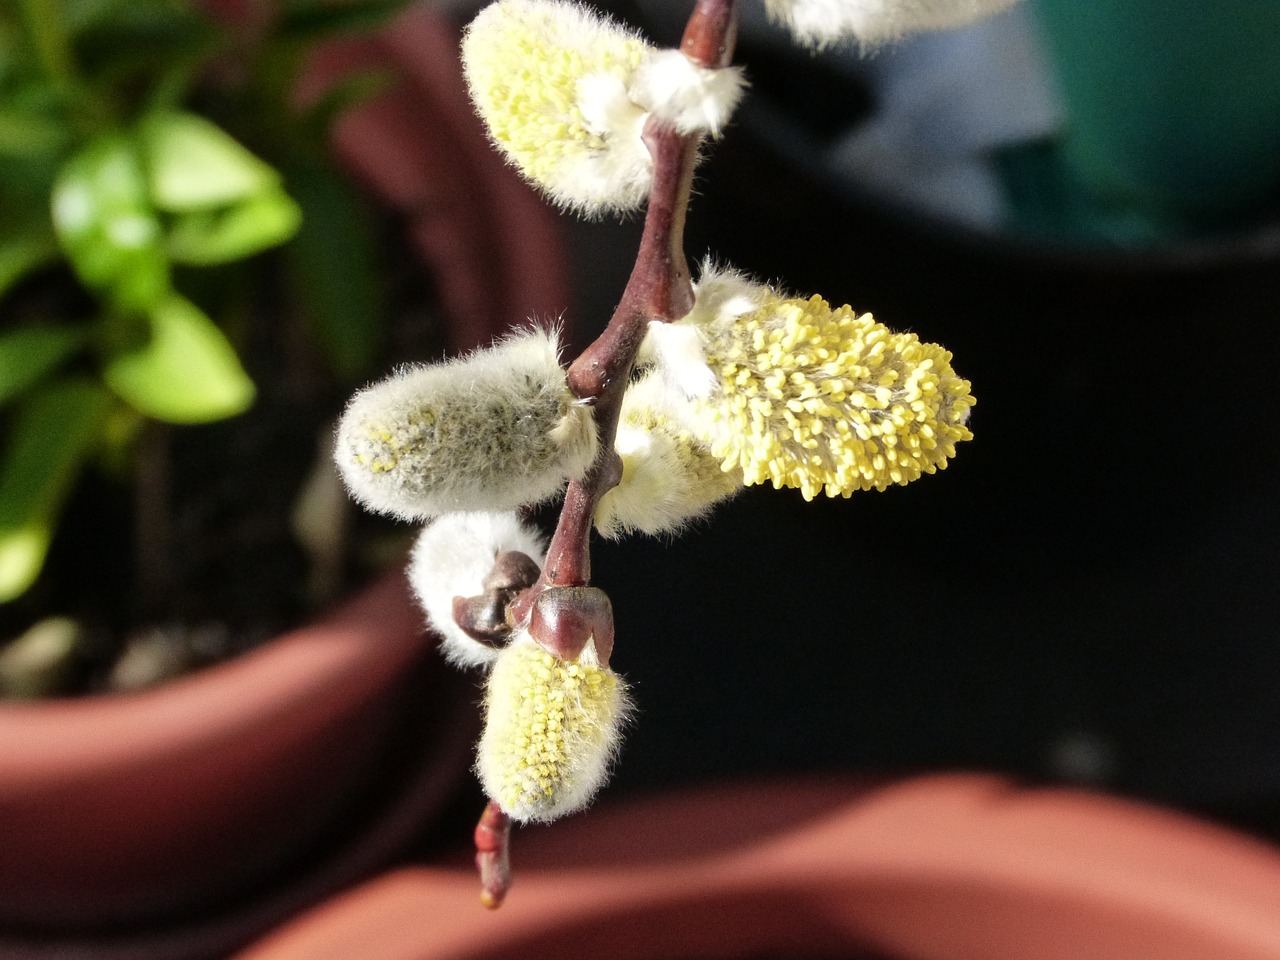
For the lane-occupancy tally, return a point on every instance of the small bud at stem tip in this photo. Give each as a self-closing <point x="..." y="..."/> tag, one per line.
<point x="493" y="855"/>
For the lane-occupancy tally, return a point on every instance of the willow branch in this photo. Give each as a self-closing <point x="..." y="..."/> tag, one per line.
<point x="659" y="289"/>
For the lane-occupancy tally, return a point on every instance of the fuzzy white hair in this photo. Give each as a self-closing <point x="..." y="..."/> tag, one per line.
<point x="495" y="430"/>
<point x="678" y="350"/>
<point x="669" y="477"/>
<point x="535" y="769"/>
<point x="617" y="178"/>
<point x="451" y="558"/>
<point x="550" y="81"/>
<point x="693" y="99"/>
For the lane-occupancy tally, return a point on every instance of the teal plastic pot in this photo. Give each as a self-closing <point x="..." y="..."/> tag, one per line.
<point x="1172" y="110"/>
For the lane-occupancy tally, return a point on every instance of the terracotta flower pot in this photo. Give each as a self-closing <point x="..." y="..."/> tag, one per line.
<point x="939" y="868"/>
<point x="140" y="811"/>
<point x="179" y="822"/>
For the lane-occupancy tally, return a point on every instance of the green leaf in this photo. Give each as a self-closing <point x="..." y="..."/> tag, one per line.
<point x="334" y="262"/>
<point x="186" y="372"/>
<point x="27" y="355"/>
<point x="53" y="432"/>
<point x="195" y="165"/>
<point x="22" y="552"/>
<point x="221" y="236"/>
<point x="105" y="223"/>
<point x="26" y="184"/>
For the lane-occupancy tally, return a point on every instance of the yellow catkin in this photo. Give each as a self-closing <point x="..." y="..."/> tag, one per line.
<point x="551" y="729"/>
<point x="525" y="61"/>
<point x="829" y="401"/>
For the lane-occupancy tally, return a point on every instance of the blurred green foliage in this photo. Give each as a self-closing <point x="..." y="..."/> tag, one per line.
<point x="123" y="174"/>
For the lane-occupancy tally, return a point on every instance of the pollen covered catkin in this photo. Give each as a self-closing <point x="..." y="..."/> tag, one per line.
<point x="550" y="81"/>
<point x="566" y="92"/>
<point x="800" y="394"/>
<point x="551" y="733"/>
<point x="492" y="431"/>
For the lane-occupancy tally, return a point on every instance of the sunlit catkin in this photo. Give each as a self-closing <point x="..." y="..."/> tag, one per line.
<point x="566" y="92"/>
<point x="492" y="431"/>
<point x="800" y="394"/>
<point x="551" y="731"/>
<point x="550" y="82"/>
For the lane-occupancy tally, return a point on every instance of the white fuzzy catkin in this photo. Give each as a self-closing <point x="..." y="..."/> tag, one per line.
<point x="451" y="558"/>
<point x="875" y="22"/>
<point x="669" y="478"/>
<point x="693" y="99"/>
<point x="492" y="431"/>
<point x="550" y="81"/>
<point x="552" y="730"/>
<point x="566" y="92"/>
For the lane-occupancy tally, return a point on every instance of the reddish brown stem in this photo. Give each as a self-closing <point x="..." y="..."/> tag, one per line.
<point x="493" y="855"/>
<point x="711" y="33"/>
<point x="659" y="289"/>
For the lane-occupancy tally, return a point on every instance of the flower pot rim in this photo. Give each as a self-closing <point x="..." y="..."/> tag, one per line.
<point x="302" y="665"/>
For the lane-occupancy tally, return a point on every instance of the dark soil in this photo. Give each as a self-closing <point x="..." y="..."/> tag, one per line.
<point x="189" y="556"/>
